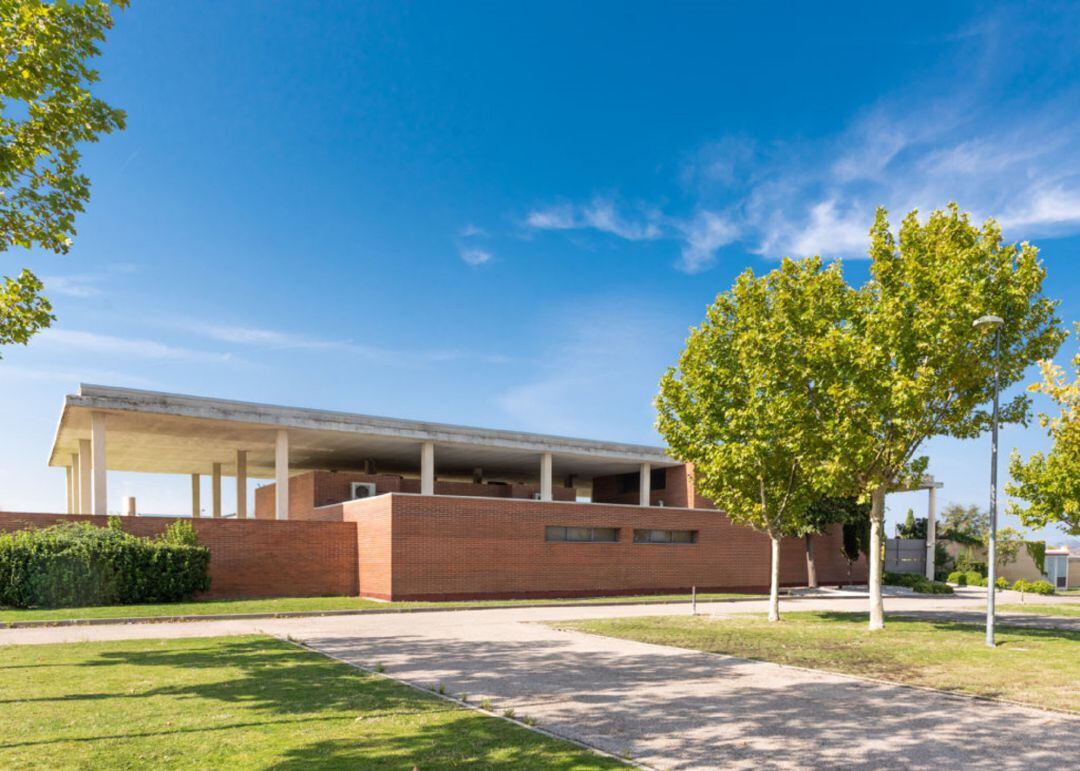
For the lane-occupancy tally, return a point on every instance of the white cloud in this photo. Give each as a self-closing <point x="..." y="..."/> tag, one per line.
<point x="72" y="286"/>
<point x="471" y="231"/>
<point x="601" y="215"/>
<point x="1046" y="208"/>
<point x="474" y="256"/>
<point x="703" y="236"/>
<point x="123" y="346"/>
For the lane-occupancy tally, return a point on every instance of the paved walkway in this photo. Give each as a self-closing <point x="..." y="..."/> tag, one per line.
<point x="667" y="707"/>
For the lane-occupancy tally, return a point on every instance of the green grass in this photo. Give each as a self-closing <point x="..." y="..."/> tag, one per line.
<point x="297" y="604"/>
<point x="1035" y="666"/>
<point x="1060" y="609"/>
<point x="241" y="702"/>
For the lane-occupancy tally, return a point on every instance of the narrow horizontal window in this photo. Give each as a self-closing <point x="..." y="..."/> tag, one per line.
<point x="665" y="536"/>
<point x="581" y="534"/>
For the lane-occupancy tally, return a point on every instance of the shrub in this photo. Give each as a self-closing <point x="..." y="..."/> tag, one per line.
<point x="975" y="578"/>
<point x="916" y="582"/>
<point x="1021" y="586"/>
<point x="75" y="564"/>
<point x="958" y="578"/>
<point x="1041" y="587"/>
<point x="1002" y="583"/>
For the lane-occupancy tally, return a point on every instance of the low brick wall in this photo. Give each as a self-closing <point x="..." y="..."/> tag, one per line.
<point x="250" y="558"/>
<point x="445" y="548"/>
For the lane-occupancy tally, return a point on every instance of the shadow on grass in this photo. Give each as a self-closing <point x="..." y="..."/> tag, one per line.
<point x="973" y="622"/>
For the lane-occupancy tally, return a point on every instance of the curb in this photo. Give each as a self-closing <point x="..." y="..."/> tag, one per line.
<point x="30" y="624"/>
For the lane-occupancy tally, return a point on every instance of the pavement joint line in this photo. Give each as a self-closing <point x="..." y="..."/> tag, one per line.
<point x="465" y="704"/>
<point x="846" y="675"/>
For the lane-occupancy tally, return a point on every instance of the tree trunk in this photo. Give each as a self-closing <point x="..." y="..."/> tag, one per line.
<point x="811" y="569"/>
<point x="774" y="581"/>
<point x="877" y="528"/>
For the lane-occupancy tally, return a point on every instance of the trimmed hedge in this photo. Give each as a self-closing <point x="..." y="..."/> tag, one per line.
<point x="76" y="564"/>
<point x="1035" y="587"/>
<point x="917" y="583"/>
<point x="958" y="578"/>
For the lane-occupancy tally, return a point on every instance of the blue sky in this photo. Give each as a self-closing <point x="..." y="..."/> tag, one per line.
<point x="509" y="215"/>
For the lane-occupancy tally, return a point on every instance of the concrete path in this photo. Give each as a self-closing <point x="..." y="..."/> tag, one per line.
<point x="666" y="707"/>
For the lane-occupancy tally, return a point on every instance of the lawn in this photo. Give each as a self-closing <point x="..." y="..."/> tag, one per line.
<point x="299" y="604"/>
<point x="241" y="702"/>
<point x="1034" y="666"/>
<point x="1060" y="609"/>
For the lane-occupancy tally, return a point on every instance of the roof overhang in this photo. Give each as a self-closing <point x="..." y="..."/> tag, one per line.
<point x="158" y="432"/>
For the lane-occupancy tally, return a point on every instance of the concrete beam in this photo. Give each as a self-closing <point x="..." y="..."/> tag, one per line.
<point x="68" y="490"/>
<point x="427" y="468"/>
<point x="645" y="485"/>
<point x="215" y="488"/>
<point x="281" y="474"/>
<point x="85" y="480"/>
<point x="241" y="484"/>
<point x="196" y="496"/>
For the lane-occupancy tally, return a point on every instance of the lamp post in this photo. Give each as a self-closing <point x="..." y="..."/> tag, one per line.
<point x="986" y="324"/>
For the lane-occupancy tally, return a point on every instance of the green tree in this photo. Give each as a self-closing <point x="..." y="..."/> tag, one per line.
<point x="825" y="512"/>
<point x="751" y="401"/>
<point x="963" y="524"/>
<point x="1009" y="541"/>
<point x="921" y="369"/>
<point x="912" y="526"/>
<point x="1050" y="483"/>
<point x="46" y="112"/>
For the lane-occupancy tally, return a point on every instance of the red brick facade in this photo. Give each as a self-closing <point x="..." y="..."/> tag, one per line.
<point x="250" y="558"/>
<point x="405" y="546"/>
<point x="311" y="490"/>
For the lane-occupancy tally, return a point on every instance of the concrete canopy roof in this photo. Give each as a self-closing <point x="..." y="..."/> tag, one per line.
<point x="168" y="433"/>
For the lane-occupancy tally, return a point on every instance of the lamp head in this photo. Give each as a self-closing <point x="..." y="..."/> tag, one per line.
<point x="988" y="322"/>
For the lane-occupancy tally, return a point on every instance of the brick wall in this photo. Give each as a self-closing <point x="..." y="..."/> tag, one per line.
<point x="458" y="548"/>
<point x="251" y="558"/>
<point x="310" y="490"/>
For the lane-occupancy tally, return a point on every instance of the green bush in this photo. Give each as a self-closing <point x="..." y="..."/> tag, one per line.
<point x="958" y="578"/>
<point x="975" y="578"/>
<point x="916" y="582"/>
<point x="1040" y="587"/>
<point x="1002" y="583"/>
<point x="1021" y="586"/>
<point x="74" y="564"/>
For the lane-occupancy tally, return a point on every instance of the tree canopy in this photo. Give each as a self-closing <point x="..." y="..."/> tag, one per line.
<point x="751" y="401"/>
<point x="46" y="112"/>
<point x="921" y="369"/>
<point x="1050" y="483"/>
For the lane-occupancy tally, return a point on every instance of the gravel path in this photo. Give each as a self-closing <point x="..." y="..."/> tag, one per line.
<point x="667" y="707"/>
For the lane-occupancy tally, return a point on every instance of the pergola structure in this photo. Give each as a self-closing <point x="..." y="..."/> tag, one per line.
<point x="105" y="428"/>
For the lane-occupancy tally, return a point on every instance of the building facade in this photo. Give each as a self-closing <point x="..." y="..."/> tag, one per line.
<point x="416" y="510"/>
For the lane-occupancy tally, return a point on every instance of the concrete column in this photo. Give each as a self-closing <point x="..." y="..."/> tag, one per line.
<point x="931" y="531"/>
<point x="196" y="496"/>
<point x="427" y="468"/>
<point x="545" y="476"/>
<point x="97" y="439"/>
<point x="241" y="484"/>
<point x="75" y="509"/>
<point x="281" y="474"/>
<point x="85" y="506"/>
<point x="129" y="506"/>
<point x="645" y="485"/>
<point x="67" y="490"/>
<point x="215" y="488"/>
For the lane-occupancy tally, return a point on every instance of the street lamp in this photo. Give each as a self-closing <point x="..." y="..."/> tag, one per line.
<point x="986" y="324"/>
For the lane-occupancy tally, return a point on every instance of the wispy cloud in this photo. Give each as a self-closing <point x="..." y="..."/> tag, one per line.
<point x="72" y="286"/>
<point x="474" y="256"/>
<point x="601" y="214"/>
<point x="123" y="346"/>
<point x="703" y="235"/>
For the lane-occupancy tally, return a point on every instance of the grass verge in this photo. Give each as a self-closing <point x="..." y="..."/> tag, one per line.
<point x="1057" y="609"/>
<point x="241" y="702"/>
<point x="301" y="604"/>
<point x="1034" y="666"/>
